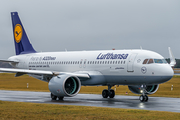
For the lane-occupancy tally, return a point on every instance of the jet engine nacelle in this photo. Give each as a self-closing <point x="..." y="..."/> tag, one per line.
<point x="64" y="85"/>
<point x="149" y="89"/>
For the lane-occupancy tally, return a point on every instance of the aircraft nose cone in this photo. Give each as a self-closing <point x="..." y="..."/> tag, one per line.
<point x="168" y="72"/>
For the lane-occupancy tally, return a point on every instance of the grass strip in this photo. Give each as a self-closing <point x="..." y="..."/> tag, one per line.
<point x="28" y="111"/>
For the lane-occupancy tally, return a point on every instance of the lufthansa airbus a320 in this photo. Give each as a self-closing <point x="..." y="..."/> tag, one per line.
<point x="65" y="72"/>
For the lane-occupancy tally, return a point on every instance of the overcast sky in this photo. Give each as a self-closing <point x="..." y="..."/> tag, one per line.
<point x="56" y="25"/>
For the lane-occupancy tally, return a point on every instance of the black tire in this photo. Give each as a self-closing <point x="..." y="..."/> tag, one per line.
<point x="105" y="93"/>
<point x="145" y="98"/>
<point x="53" y="97"/>
<point x="111" y="93"/>
<point x="141" y="98"/>
<point x="61" y="98"/>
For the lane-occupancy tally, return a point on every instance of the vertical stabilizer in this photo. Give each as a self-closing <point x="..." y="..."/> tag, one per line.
<point x="21" y="41"/>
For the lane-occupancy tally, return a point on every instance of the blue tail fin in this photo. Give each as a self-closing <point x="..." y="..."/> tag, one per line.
<point x="22" y="44"/>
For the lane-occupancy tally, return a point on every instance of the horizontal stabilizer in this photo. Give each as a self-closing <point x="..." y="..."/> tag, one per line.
<point x="9" y="61"/>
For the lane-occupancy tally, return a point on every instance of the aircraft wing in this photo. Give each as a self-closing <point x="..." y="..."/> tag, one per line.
<point x="20" y="72"/>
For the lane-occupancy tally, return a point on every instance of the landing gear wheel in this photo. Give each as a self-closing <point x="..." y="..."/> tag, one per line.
<point x="105" y="93"/>
<point x="141" y="98"/>
<point x="60" y="98"/>
<point x="53" y="97"/>
<point x="145" y="98"/>
<point x="111" y="93"/>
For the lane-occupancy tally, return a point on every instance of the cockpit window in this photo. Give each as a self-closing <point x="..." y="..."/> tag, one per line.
<point x="160" y="61"/>
<point x="164" y="61"/>
<point x="150" y="61"/>
<point x="145" y="61"/>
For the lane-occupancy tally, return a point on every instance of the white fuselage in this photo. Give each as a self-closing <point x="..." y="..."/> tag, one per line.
<point x="116" y="67"/>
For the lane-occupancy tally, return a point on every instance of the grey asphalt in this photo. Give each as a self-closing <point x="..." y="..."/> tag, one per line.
<point x="128" y="102"/>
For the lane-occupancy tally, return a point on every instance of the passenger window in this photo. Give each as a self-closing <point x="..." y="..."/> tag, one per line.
<point x="150" y="61"/>
<point x="145" y="61"/>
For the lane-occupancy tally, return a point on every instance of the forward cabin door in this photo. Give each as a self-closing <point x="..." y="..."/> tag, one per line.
<point x="130" y="64"/>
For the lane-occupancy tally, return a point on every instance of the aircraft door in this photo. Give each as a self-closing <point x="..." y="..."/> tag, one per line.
<point x="84" y="63"/>
<point x="130" y="64"/>
<point x="80" y="64"/>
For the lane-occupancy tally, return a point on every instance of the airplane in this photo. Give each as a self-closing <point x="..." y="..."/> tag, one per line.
<point x="141" y="70"/>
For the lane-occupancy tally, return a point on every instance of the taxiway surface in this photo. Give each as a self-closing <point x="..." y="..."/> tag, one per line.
<point x="129" y="102"/>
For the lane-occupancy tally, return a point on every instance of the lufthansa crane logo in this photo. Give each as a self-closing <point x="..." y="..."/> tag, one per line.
<point x="143" y="70"/>
<point x="18" y="32"/>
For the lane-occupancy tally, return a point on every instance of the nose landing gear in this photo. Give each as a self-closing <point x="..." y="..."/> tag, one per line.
<point x="108" y="93"/>
<point x="143" y="97"/>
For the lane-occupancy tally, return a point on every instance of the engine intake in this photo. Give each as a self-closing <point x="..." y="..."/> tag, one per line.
<point x="64" y="85"/>
<point x="150" y="89"/>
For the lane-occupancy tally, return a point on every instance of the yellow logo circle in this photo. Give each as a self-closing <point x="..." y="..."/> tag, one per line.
<point x="18" y="32"/>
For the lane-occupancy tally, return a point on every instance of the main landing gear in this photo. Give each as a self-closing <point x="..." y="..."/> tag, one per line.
<point x="108" y="93"/>
<point x="143" y="97"/>
<point x="53" y="97"/>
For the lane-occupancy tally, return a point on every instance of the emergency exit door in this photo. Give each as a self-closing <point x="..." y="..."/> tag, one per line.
<point x="130" y="65"/>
